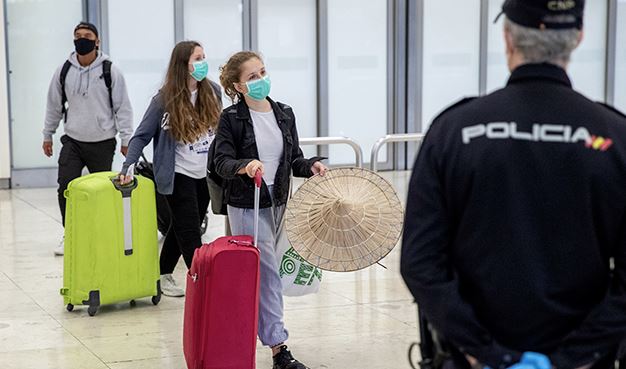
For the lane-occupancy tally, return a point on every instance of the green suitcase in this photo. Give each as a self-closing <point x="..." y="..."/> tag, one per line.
<point x="111" y="252"/>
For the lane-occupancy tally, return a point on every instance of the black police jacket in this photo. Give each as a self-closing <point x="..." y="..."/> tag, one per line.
<point x="236" y="146"/>
<point x="516" y="204"/>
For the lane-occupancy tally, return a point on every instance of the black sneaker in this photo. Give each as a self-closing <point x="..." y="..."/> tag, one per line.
<point x="284" y="360"/>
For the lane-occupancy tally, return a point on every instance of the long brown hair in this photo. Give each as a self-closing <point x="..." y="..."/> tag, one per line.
<point x="231" y="72"/>
<point x="188" y="123"/>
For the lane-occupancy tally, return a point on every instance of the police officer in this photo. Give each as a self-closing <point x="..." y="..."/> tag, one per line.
<point x="517" y="206"/>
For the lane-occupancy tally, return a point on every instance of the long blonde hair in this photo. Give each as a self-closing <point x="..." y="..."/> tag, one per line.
<point x="188" y="123"/>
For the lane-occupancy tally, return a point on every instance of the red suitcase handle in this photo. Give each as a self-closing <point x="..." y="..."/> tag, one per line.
<point x="258" y="179"/>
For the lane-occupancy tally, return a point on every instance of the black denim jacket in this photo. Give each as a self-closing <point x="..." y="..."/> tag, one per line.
<point x="236" y="146"/>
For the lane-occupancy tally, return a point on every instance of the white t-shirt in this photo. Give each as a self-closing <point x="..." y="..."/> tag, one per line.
<point x="269" y="142"/>
<point x="191" y="158"/>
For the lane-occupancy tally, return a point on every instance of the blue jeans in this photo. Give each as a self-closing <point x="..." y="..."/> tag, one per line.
<point x="271" y="326"/>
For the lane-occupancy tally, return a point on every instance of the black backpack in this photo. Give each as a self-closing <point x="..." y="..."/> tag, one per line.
<point x="216" y="183"/>
<point x="106" y="74"/>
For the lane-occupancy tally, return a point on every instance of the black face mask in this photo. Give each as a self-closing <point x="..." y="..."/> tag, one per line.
<point x="84" y="46"/>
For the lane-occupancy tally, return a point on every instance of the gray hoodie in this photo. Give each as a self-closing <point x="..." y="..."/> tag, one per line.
<point x="89" y="115"/>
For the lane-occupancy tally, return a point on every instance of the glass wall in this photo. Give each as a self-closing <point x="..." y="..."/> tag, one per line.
<point x="357" y="74"/>
<point x="5" y="129"/>
<point x="497" y="70"/>
<point x="356" y="56"/>
<point x="620" y="67"/>
<point x="218" y="26"/>
<point x="44" y="26"/>
<point x="451" y="55"/>
<point x="587" y="68"/>
<point x="288" y="42"/>
<point x="143" y="59"/>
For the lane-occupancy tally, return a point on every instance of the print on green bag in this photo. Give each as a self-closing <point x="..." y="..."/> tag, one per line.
<point x="306" y="273"/>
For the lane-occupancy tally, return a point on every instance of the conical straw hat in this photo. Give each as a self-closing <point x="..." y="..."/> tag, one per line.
<point x="344" y="221"/>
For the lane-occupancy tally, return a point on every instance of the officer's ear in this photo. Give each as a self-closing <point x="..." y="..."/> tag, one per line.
<point x="581" y="36"/>
<point x="508" y="41"/>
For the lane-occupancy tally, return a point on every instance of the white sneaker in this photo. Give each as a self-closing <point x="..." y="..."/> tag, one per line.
<point x="169" y="286"/>
<point x="59" y="250"/>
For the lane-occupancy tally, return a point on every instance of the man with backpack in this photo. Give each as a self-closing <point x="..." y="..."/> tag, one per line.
<point x="89" y="94"/>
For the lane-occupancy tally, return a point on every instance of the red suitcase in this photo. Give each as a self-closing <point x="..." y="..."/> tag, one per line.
<point x="221" y="303"/>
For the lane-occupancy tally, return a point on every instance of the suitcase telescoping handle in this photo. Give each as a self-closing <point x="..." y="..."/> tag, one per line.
<point x="258" y="179"/>
<point x="126" y="191"/>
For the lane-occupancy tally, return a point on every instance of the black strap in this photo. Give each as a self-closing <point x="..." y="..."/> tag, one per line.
<point x="106" y="75"/>
<point x="108" y="81"/>
<point x="64" y="70"/>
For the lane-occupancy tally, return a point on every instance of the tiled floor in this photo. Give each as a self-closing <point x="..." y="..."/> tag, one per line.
<point x="363" y="320"/>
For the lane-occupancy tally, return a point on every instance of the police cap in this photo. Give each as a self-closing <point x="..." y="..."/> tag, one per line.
<point x="545" y="14"/>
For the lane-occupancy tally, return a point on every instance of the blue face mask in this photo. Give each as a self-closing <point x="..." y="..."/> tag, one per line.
<point x="200" y="70"/>
<point x="259" y="89"/>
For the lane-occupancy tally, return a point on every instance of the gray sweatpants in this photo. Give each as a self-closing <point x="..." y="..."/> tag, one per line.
<point x="271" y="326"/>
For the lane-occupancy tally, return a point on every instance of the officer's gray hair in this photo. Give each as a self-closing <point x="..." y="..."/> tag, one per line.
<point x="543" y="46"/>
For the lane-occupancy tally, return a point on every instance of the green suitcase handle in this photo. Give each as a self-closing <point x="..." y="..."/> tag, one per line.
<point x="78" y="195"/>
<point x="126" y="189"/>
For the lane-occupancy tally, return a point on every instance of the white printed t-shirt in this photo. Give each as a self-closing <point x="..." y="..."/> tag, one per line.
<point x="191" y="158"/>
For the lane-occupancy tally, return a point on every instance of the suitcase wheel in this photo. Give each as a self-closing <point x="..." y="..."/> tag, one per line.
<point x="70" y="307"/>
<point x="93" y="302"/>
<point x="157" y="298"/>
<point x="133" y="303"/>
<point x="92" y="310"/>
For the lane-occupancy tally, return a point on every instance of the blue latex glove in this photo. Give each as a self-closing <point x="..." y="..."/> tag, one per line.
<point x="533" y="360"/>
